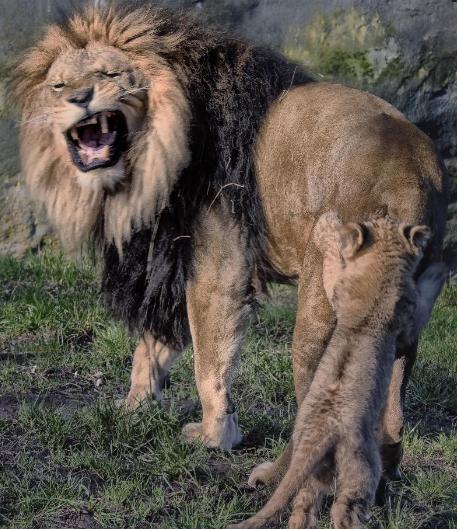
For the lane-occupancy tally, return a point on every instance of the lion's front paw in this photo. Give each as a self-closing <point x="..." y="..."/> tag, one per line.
<point x="128" y="404"/>
<point x="137" y="398"/>
<point x="304" y="511"/>
<point x="261" y="475"/>
<point x="225" y="433"/>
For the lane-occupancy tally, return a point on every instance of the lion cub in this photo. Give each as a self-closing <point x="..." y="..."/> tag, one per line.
<point x="369" y="280"/>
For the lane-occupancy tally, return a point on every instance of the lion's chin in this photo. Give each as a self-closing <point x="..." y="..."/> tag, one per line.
<point x="107" y="178"/>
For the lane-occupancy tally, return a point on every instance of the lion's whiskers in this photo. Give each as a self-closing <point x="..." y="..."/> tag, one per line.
<point x="136" y="90"/>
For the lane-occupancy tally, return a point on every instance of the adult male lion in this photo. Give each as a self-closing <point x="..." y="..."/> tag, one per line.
<point x="200" y="164"/>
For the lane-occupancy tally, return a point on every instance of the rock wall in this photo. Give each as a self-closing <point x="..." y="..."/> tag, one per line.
<point x="403" y="51"/>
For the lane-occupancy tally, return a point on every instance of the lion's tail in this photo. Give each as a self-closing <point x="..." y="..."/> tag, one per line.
<point x="311" y="450"/>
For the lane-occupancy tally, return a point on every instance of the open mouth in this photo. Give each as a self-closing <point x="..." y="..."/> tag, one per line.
<point x="98" y="141"/>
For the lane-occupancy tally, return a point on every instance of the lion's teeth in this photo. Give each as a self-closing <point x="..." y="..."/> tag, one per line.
<point x="104" y="123"/>
<point x="74" y="134"/>
<point x="105" y="153"/>
<point x="89" y="121"/>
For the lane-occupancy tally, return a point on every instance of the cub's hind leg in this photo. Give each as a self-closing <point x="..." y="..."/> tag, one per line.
<point x="305" y="507"/>
<point x="152" y="361"/>
<point x="358" y="466"/>
<point x="218" y="301"/>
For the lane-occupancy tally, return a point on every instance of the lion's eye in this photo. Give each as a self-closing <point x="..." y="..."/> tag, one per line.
<point x="112" y="74"/>
<point x="58" y="87"/>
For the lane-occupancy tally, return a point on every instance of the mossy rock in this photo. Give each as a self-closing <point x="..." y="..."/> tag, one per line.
<point x="345" y="46"/>
<point x="21" y="228"/>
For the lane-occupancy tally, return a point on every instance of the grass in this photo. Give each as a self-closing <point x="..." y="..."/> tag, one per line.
<point x="69" y="458"/>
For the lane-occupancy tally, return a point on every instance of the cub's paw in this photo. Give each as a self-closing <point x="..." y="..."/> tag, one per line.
<point x="128" y="404"/>
<point x="349" y="514"/>
<point x="261" y="475"/>
<point x="304" y="511"/>
<point x="223" y="433"/>
<point x="302" y="520"/>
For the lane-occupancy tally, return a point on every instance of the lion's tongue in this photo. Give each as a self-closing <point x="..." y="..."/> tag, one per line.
<point x="89" y="155"/>
<point x="95" y="145"/>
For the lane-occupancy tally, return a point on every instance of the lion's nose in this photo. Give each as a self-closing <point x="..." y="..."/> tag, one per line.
<point x="82" y="98"/>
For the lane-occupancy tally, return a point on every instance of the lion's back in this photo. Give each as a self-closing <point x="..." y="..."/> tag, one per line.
<point x="326" y="146"/>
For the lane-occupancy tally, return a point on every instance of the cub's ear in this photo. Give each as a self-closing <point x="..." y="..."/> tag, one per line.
<point x="417" y="236"/>
<point x="325" y="229"/>
<point x="352" y="237"/>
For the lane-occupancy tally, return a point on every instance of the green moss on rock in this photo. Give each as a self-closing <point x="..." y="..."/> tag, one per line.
<point x="345" y="46"/>
<point x="342" y="64"/>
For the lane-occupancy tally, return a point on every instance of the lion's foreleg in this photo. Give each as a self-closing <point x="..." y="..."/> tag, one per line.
<point x="218" y="309"/>
<point x="313" y="328"/>
<point x="152" y="361"/>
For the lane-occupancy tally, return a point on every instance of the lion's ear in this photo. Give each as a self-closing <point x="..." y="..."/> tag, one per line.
<point x="417" y="236"/>
<point x="352" y="237"/>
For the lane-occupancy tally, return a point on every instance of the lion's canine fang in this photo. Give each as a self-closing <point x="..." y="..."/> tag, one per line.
<point x="104" y="122"/>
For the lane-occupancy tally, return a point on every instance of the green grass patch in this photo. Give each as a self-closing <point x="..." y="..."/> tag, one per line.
<point x="69" y="458"/>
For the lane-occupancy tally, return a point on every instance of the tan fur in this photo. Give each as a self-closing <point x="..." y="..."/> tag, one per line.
<point x="369" y="281"/>
<point x="158" y="117"/>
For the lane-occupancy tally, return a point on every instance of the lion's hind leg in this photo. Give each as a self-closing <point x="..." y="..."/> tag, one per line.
<point x="429" y="285"/>
<point x="152" y="361"/>
<point x="271" y="471"/>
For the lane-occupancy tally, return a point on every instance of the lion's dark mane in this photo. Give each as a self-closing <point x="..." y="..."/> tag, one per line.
<point x="230" y="85"/>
